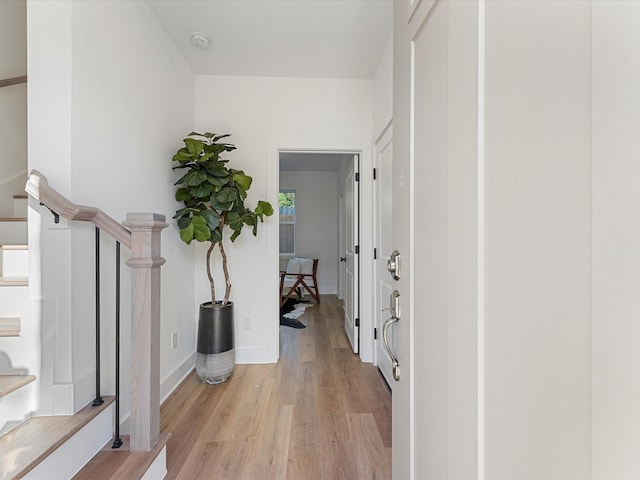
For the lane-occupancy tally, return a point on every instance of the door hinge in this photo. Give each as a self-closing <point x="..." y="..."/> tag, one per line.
<point x="357" y="176"/>
<point x="357" y="249"/>
<point x="375" y="253"/>
<point x="375" y="333"/>
<point x="374" y="173"/>
<point x="357" y="322"/>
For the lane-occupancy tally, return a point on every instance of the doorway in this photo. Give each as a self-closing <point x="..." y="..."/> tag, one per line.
<point x="321" y="221"/>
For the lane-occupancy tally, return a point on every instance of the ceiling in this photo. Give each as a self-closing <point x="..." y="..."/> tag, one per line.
<point x="282" y="38"/>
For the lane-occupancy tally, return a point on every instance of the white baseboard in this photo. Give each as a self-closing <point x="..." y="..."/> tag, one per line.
<point x="171" y="381"/>
<point x="254" y="356"/>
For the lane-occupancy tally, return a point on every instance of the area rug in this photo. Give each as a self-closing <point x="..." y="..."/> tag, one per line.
<point x="291" y="311"/>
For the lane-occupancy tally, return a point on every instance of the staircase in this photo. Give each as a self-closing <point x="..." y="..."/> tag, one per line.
<point x="15" y="379"/>
<point x="64" y="446"/>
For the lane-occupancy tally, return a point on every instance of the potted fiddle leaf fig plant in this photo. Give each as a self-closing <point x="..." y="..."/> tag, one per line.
<point x="214" y="204"/>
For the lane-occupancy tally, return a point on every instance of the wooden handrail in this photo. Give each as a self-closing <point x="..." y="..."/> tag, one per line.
<point x="140" y="233"/>
<point x="13" y="81"/>
<point x="38" y="187"/>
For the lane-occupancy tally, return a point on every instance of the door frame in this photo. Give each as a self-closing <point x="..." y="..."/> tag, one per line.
<point x="364" y="149"/>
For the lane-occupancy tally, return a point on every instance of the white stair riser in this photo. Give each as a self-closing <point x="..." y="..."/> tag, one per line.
<point x="18" y="405"/>
<point x="13" y="233"/>
<point x="158" y="469"/>
<point x="76" y="452"/>
<point x="15" y="263"/>
<point x="13" y="300"/>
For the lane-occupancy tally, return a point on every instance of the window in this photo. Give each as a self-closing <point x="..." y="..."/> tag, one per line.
<point x="287" y="204"/>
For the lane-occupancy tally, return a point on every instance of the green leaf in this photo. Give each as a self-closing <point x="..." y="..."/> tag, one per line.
<point x="211" y="218"/>
<point x="194" y="147"/>
<point x="184" y="222"/>
<point x="186" y="234"/>
<point x="194" y="178"/>
<point x="235" y="225"/>
<point x="216" y="235"/>
<point x="250" y="219"/>
<point x="235" y="235"/>
<point x="200" y="230"/>
<point x="183" y="156"/>
<point x="242" y="180"/>
<point x="184" y="211"/>
<point x="205" y="158"/>
<point x="226" y="195"/>
<point x="219" y="205"/>
<point x="218" y="181"/>
<point x="183" y="195"/>
<point x="264" y="208"/>
<point x="202" y="190"/>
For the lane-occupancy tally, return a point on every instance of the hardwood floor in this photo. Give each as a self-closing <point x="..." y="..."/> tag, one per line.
<point x="319" y="413"/>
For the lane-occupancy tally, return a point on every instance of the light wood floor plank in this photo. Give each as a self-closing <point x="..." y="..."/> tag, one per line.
<point x="319" y="414"/>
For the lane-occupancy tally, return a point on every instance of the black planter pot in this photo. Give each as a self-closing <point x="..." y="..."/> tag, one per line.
<point x="215" y="357"/>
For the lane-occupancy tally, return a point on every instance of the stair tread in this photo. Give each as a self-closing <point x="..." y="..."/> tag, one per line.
<point x="21" y="196"/>
<point x="121" y="462"/>
<point x="14" y="247"/>
<point x="11" y="383"/>
<point x="9" y="326"/>
<point x="14" y="281"/>
<point x="13" y="219"/>
<point x="28" y="444"/>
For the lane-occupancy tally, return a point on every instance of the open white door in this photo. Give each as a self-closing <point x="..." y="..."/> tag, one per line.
<point x="436" y="430"/>
<point x="383" y="248"/>
<point x="351" y="288"/>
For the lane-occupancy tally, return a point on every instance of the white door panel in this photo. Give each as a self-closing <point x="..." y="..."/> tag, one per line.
<point x="384" y="246"/>
<point x="351" y="263"/>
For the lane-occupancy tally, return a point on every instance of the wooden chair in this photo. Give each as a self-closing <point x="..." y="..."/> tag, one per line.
<point x="301" y="273"/>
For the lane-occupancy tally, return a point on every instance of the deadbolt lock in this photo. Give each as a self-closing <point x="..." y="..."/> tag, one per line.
<point x="393" y="265"/>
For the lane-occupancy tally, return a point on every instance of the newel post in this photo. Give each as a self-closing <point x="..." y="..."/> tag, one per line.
<point x="145" y="262"/>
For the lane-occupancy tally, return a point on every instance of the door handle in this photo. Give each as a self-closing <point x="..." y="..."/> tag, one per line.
<point x="393" y="265"/>
<point x="394" y="361"/>
<point x="394" y="306"/>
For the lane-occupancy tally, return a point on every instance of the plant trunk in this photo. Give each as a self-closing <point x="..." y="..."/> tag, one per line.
<point x="213" y="287"/>
<point x="227" y="292"/>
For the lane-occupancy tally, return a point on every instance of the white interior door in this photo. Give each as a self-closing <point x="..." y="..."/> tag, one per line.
<point x="351" y="288"/>
<point x="384" y="246"/>
<point x="341" y="249"/>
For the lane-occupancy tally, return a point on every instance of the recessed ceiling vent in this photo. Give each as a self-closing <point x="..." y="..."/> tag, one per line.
<point x="200" y="40"/>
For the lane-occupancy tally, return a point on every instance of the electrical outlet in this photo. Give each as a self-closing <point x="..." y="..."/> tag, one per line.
<point x="174" y="340"/>
<point x="248" y="322"/>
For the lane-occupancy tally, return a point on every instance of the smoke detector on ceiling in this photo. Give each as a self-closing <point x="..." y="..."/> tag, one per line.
<point x="200" y="40"/>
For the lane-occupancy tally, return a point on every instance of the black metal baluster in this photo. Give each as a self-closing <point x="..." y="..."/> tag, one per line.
<point x="98" y="400"/>
<point x="117" y="442"/>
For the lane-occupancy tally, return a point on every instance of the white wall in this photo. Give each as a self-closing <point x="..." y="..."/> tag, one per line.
<point x="110" y="101"/>
<point x="263" y="115"/>
<point x="538" y="239"/>
<point x="316" y="222"/>
<point x="383" y="90"/>
<point x="13" y="103"/>
<point x="616" y="239"/>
